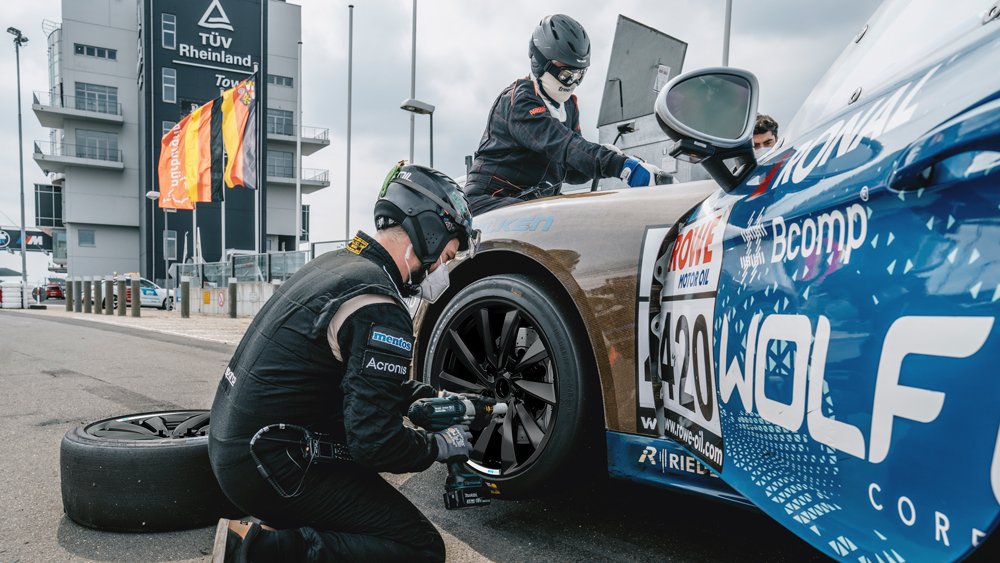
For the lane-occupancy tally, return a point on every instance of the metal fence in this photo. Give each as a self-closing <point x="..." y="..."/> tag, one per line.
<point x="270" y="267"/>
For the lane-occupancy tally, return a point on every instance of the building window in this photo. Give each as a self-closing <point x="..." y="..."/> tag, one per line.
<point x="304" y="235"/>
<point x="94" y="97"/>
<point x="280" y="164"/>
<point x="170" y="245"/>
<point x="86" y="237"/>
<point x="98" y="145"/>
<point x="99" y="52"/>
<point x="169" y="85"/>
<point x="280" y="122"/>
<point x="168" y="31"/>
<point x="278" y="80"/>
<point x="48" y="205"/>
<point x="167" y="126"/>
<point x="59" y="246"/>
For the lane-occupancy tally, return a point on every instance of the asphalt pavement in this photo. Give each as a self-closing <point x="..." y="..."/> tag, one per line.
<point x="58" y="371"/>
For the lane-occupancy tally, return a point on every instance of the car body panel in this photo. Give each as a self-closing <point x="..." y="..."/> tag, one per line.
<point x="824" y="338"/>
<point x="853" y="322"/>
<point x="595" y="272"/>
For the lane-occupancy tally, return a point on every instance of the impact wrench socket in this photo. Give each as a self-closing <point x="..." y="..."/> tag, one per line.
<point x="464" y="488"/>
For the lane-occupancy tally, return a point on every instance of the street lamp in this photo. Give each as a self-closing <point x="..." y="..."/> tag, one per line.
<point x="152" y="196"/>
<point x="19" y="40"/>
<point x="423" y="108"/>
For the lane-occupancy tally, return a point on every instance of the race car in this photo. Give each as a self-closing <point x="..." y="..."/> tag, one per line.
<point x="812" y="334"/>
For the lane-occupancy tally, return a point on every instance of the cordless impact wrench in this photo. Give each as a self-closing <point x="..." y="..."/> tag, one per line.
<point x="463" y="489"/>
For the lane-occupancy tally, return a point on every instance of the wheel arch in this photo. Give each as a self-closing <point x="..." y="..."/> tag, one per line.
<point x="571" y="297"/>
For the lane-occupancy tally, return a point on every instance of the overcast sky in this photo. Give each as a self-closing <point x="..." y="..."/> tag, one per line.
<point x="467" y="52"/>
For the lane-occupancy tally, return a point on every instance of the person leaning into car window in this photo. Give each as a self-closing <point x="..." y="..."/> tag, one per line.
<point x="765" y="134"/>
<point x="532" y="143"/>
<point x="330" y="353"/>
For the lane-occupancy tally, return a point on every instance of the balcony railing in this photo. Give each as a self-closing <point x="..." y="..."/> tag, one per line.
<point x="45" y="99"/>
<point x="308" y="133"/>
<point x="49" y="148"/>
<point x="308" y="174"/>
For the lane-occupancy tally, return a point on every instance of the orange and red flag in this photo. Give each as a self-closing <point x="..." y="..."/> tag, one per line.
<point x="191" y="164"/>
<point x="239" y="133"/>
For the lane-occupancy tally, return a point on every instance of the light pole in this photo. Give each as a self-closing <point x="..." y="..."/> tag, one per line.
<point x="152" y="195"/>
<point x="413" y="73"/>
<point x="19" y="40"/>
<point x="423" y="108"/>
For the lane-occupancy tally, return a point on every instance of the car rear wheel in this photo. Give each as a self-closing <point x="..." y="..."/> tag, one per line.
<point x="510" y="338"/>
<point x="140" y="473"/>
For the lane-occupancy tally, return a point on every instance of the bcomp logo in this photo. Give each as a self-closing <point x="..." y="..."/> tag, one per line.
<point x="400" y="343"/>
<point x="4" y="238"/>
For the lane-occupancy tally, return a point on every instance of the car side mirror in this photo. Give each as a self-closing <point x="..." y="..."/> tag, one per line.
<point x="710" y="114"/>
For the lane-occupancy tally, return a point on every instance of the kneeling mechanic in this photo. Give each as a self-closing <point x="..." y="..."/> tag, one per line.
<point x="328" y="358"/>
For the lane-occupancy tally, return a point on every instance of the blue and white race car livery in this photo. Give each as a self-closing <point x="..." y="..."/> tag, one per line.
<point x="827" y="328"/>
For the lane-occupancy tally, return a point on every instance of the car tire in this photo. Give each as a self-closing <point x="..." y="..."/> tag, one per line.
<point x="518" y="457"/>
<point x="141" y="473"/>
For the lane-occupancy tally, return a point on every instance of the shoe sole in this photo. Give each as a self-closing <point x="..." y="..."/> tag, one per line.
<point x="219" y="545"/>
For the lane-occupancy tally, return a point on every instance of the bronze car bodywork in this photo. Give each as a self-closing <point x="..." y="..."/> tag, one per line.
<point x="588" y="246"/>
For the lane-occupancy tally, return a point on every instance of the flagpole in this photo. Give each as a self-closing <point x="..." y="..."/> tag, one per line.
<point x="194" y="227"/>
<point x="261" y="174"/>
<point x="222" y="91"/>
<point x="298" y="157"/>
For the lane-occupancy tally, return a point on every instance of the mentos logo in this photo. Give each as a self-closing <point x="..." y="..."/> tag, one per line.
<point x="400" y="343"/>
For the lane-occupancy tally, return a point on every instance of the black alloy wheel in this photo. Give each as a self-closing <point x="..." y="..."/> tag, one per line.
<point x="141" y="473"/>
<point x="507" y="338"/>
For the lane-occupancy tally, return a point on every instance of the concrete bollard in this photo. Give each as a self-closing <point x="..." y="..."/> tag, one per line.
<point x="98" y="296"/>
<point x="232" y="298"/>
<point x="136" y="297"/>
<point x="185" y="298"/>
<point x="87" y="297"/>
<point x="68" y="294"/>
<point x="109" y="299"/>
<point x="121" y="298"/>
<point x="77" y="295"/>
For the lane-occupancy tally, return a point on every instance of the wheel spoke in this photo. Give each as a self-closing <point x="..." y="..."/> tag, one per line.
<point x="156" y="423"/>
<point x="487" y="334"/>
<point x="507" y="455"/>
<point x="466" y="358"/>
<point x="479" y="448"/>
<point x="543" y="391"/>
<point x="508" y="335"/>
<point x="535" y="434"/>
<point x="536" y="353"/>
<point x="459" y="382"/>
<point x="126" y="430"/>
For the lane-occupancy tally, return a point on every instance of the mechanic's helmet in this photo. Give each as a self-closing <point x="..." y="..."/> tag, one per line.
<point x="431" y="209"/>
<point x="562" y="39"/>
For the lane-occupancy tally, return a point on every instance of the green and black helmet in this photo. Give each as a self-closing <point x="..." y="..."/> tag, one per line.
<point x="431" y="209"/>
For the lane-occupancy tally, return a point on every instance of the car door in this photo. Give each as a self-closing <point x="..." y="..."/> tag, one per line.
<point x="855" y="319"/>
<point x="148" y="292"/>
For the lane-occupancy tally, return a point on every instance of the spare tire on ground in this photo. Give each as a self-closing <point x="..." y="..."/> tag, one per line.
<point x="141" y="473"/>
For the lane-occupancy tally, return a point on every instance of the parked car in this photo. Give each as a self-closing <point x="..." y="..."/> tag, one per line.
<point x="813" y="334"/>
<point x="150" y="294"/>
<point x="54" y="290"/>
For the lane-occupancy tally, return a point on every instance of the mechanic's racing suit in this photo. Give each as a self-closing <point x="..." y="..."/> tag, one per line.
<point x="527" y="152"/>
<point x="330" y="351"/>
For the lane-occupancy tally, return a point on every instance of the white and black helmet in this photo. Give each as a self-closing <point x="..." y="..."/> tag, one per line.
<point x="560" y="38"/>
<point x="430" y="207"/>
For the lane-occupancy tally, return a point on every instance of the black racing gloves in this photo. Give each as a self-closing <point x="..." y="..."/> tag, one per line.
<point x="453" y="444"/>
